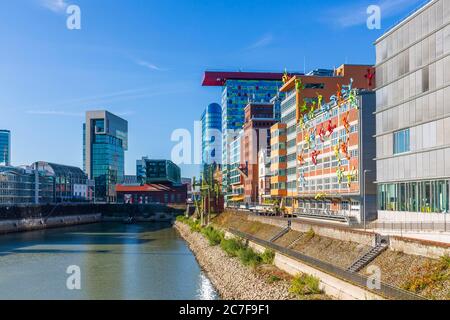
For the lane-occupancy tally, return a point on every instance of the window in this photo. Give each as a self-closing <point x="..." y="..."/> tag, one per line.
<point x="401" y="141"/>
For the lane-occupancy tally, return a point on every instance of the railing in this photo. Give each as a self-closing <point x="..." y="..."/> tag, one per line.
<point x="410" y="227"/>
<point x="386" y="290"/>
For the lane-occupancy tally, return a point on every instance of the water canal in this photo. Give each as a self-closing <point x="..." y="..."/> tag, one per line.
<point x="115" y="260"/>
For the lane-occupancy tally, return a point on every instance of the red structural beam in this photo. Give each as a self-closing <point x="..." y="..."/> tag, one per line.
<point x="218" y="79"/>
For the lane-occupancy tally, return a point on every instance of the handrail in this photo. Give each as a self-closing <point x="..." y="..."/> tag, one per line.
<point x="386" y="290"/>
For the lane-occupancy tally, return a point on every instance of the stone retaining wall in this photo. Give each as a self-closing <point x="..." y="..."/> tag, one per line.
<point x="11" y="226"/>
<point x="428" y="249"/>
<point x="329" y="231"/>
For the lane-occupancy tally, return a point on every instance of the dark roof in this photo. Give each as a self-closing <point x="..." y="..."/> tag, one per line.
<point x="218" y="78"/>
<point x="61" y="170"/>
<point x="155" y="187"/>
<point x="12" y="170"/>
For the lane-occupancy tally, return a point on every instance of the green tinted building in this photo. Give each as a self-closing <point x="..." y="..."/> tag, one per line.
<point x="158" y="171"/>
<point x="105" y="140"/>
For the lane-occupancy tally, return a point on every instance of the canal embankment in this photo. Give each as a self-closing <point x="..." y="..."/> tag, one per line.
<point x="37" y="217"/>
<point x="33" y="224"/>
<point x="235" y="281"/>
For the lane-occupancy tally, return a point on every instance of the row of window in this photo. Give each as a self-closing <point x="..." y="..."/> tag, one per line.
<point x="424" y="196"/>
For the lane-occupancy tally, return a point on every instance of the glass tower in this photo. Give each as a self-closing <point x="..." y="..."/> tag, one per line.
<point x="5" y="147"/>
<point x="236" y="95"/>
<point x="212" y="134"/>
<point x="105" y="140"/>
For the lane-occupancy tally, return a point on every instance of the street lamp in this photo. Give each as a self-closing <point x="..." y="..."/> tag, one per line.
<point x="364" y="198"/>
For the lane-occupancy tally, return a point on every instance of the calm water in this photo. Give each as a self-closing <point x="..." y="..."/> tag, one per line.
<point x="117" y="261"/>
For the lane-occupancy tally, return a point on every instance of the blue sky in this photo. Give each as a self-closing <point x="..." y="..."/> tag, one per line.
<point x="144" y="60"/>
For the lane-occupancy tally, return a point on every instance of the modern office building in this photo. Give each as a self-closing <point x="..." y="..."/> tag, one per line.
<point x="212" y="135"/>
<point x="158" y="171"/>
<point x="259" y="118"/>
<point x="5" y="148"/>
<point x="264" y="175"/>
<point x="336" y="169"/>
<point x="236" y="181"/>
<point x="159" y="181"/>
<point x="278" y="161"/>
<point x="413" y="117"/>
<point x="69" y="184"/>
<point x="238" y="90"/>
<point x="303" y="93"/>
<point x="44" y="183"/>
<point x="105" y="140"/>
<point x="130" y="180"/>
<point x="22" y="186"/>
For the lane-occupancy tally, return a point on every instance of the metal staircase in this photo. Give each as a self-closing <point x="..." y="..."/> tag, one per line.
<point x="359" y="264"/>
<point x="280" y="234"/>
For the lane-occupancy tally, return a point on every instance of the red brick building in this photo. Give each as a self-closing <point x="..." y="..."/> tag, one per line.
<point x="259" y="118"/>
<point x="152" y="193"/>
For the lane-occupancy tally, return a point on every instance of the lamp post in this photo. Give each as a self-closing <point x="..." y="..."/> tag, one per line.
<point x="364" y="198"/>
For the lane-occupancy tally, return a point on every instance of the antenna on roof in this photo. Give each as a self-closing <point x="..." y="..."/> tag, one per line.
<point x="304" y="64"/>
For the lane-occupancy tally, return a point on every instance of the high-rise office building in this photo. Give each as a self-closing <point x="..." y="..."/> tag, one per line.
<point x="259" y="118"/>
<point x="238" y="90"/>
<point x="105" y="140"/>
<point x="413" y="117"/>
<point x="212" y="134"/>
<point x="236" y="181"/>
<point x="5" y="148"/>
<point x="302" y="92"/>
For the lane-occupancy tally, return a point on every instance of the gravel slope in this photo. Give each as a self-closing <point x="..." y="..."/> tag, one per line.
<point x="231" y="279"/>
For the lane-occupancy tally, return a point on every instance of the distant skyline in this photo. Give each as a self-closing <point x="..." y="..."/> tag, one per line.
<point x="144" y="61"/>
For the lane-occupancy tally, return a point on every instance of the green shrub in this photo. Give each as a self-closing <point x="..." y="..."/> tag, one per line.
<point x="445" y="261"/>
<point x="249" y="257"/>
<point x="310" y="234"/>
<point x="194" y="225"/>
<point x="214" y="236"/>
<point x="273" y="279"/>
<point x="231" y="246"/>
<point x="268" y="256"/>
<point x="304" y="285"/>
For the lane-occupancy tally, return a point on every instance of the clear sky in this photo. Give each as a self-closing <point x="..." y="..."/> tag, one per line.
<point x="144" y="61"/>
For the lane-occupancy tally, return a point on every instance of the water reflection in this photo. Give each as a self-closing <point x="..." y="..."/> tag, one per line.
<point x="117" y="261"/>
<point x="206" y="290"/>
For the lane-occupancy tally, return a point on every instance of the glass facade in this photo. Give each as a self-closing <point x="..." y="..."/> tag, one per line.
<point x="105" y="140"/>
<point x="212" y="134"/>
<point x="413" y="112"/>
<point x="5" y="148"/>
<point x="423" y="196"/>
<point x="162" y="171"/>
<point x="69" y="184"/>
<point x="236" y="95"/>
<point x="18" y="186"/>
